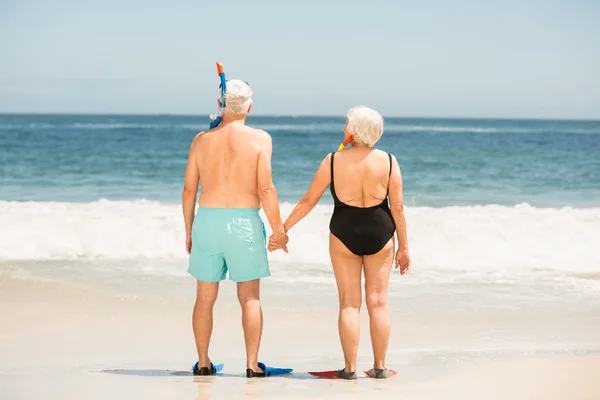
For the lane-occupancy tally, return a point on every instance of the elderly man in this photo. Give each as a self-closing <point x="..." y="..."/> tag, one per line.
<point x="232" y="163"/>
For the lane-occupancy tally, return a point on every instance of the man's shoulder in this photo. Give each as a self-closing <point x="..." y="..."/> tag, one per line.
<point x="259" y="136"/>
<point x="199" y="136"/>
<point x="208" y="133"/>
<point x="195" y="141"/>
<point x="261" y="133"/>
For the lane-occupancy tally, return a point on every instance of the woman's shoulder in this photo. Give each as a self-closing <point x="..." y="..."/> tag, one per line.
<point x="327" y="160"/>
<point x="380" y="152"/>
<point x="381" y="155"/>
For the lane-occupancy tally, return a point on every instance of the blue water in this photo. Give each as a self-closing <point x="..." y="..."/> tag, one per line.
<point x="80" y="158"/>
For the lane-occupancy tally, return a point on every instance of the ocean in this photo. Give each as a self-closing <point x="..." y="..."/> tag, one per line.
<point x="502" y="202"/>
<point x="78" y="158"/>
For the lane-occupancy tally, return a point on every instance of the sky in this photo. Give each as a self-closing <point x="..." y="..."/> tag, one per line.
<point x="427" y="58"/>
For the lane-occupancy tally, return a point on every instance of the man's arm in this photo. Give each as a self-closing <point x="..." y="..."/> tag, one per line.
<point x="320" y="182"/>
<point x="190" y="190"/>
<point x="267" y="192"/>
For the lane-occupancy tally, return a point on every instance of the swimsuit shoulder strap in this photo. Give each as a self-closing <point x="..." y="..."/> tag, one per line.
<point x="332" y="155"/>
<point x="390" y="173"/>
<point x="335" y="198"/>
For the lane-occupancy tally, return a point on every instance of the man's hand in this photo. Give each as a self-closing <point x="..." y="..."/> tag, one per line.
<point x="403" y="261"/>
<point x="277" y="242"/>
<point x="188" y="242"/>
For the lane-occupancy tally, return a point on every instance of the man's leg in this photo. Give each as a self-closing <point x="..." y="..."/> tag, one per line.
<point x="252" y="320"/>
<point x="202" y="319"/>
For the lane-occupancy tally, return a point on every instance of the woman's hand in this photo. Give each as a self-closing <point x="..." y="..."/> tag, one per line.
<point x="278" y="242"/>
<point x="403" y="261"/>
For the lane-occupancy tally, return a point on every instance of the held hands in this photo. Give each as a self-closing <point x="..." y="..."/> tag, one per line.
<point x="402" y="261"/>
<point x="278" y="241"/>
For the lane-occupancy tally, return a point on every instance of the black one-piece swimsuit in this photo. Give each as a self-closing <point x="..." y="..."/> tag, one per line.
<point x="363" y="230"/>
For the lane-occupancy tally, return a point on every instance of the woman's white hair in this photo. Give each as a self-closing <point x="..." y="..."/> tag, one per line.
<point x="238" y="97"/>
<point x="365" y="125"/>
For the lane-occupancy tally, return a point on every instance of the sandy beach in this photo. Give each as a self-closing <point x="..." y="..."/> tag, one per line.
<point x="71" y="341"/>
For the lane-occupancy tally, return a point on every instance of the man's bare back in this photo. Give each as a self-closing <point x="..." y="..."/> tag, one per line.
<point x="232" y="163"/>
<point x="227" y="162"/>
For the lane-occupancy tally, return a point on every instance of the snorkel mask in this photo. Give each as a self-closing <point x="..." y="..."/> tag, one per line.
<point x="214" y="119"/>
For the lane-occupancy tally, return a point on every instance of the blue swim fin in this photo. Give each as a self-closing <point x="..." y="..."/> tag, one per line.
<point x="207" y="371"/>
<point x="267" y="371"/>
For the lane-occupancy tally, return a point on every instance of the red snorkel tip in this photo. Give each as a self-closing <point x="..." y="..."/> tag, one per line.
<point x="348" y="140"/>
<point x="220" y="68"/>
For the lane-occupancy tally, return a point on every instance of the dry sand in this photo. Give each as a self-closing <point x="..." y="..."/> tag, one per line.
<point x="68" y="341"/>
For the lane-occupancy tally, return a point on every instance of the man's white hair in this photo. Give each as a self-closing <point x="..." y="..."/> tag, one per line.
<point x="365" y="125"/>
<point x="238" y="97"/>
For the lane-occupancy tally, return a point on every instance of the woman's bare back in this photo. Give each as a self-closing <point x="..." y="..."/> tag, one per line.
<point x="361" y="176"/>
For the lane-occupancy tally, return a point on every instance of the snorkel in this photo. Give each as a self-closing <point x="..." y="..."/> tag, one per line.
<point x="216" y="120"/>
<point x="345" y="143"/>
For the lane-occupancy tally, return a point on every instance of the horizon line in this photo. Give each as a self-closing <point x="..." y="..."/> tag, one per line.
<point x="138" y="114"/>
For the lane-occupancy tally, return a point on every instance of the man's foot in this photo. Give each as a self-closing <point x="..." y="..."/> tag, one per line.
<point x="205" y="371"/>
<point x="350" y="376"/>
<point x="250" y="373"/>
<point x="265" y="371"/>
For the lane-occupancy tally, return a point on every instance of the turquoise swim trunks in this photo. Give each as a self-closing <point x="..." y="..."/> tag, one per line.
<point x="228" y="239"/>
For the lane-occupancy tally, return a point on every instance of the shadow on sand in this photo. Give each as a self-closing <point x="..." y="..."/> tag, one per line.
<point x="168" y="372"/>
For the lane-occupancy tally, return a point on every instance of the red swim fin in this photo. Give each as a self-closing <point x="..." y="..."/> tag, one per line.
<point x="325" y="374"/>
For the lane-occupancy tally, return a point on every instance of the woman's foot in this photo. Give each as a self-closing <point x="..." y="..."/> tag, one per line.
<point x="342" y="374"/>
<point x="380" y="373"/>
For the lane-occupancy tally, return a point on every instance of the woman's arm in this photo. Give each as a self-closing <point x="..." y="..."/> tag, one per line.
<point x="397" y="205"/>
<point x="319" y="183"/>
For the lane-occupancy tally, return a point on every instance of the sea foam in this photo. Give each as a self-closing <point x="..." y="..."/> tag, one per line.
<point x="478" y="240"/>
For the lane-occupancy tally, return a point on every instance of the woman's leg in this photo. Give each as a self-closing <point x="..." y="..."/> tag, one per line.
<point x="347" y="268"/>
<point x="377" y="276"/>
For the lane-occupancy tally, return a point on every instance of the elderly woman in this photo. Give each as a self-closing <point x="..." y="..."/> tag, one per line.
<point x="361" y="232"/>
